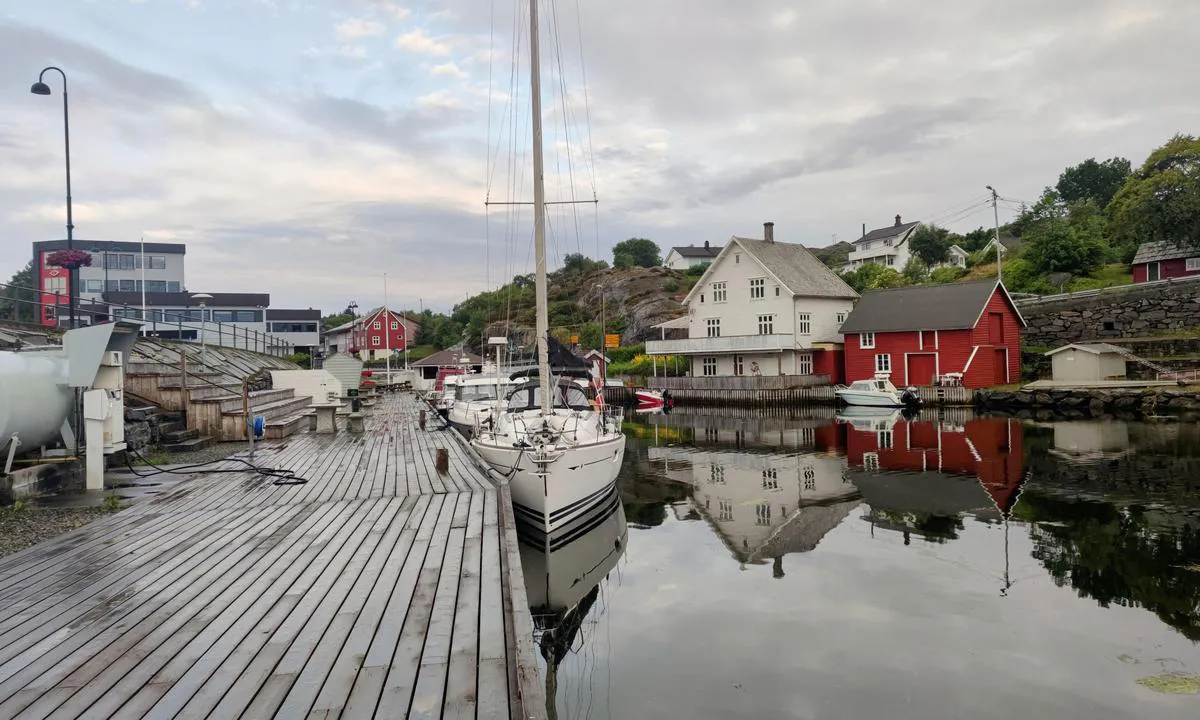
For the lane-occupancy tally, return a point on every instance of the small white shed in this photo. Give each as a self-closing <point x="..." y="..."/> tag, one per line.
<point x="1087" y="362"/>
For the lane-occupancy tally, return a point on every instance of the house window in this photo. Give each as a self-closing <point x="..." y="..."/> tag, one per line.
<point x="724" y="511"/>
<point x="709" y="367"/>
<point x="770" y="479"/>
<point x="766" y="324"/>
<point x="883" y="363"/>
<point x="714" y="327"/>
<point x="804" y="324"/>
<point x="375" y="340"/>
<point x="395" y="325"/>
<point x="173" y="286"/>
<point x="716" y="473"/>
<point x="758" y="288"/>
<point x="701" y="297"/>
<point x="95" y="286"/>
<point x="128" y="286"/>
<point x="776" y="291"/>
<point x="737" y="258"/>
<point x="883" y="439"/>
<point x="810" y="478"/>
<point x="762" y="514"/>
<point x="804" y="365"/>
<point x="866" y="341"/>
<point x="378" y="325"/>
<point x="1193" y="264"/>
<point x="841" y="318"/>
<point x="891" y="259"/>
<point x="719" y="292"/>
<point x="737" y="365"/>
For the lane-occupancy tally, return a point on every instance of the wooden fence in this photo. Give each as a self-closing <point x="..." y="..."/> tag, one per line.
<point x="739" y="382"/>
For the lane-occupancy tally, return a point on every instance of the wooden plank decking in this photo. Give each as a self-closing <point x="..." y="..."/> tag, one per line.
<point x="378" y="588"/>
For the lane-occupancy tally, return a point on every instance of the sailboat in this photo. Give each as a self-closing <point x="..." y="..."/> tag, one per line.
<point x="559" y="450"/>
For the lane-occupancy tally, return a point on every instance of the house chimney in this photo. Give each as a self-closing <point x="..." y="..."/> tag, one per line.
<point x="897" y="221"/>
<point x="864" y="230"/>
<point x="769" y="232"/>
<point x="706" y="245"/>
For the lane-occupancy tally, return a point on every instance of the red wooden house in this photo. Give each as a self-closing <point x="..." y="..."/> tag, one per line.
<point x="370" y="339"/>
<point x="1164" y="260"/>
<point x="970" y="332"/>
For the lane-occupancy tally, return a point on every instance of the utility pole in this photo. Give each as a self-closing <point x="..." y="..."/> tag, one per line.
<point x="996" y="215"/>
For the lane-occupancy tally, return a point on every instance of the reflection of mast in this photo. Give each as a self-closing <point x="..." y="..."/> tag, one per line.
<point x="556" y="641"/>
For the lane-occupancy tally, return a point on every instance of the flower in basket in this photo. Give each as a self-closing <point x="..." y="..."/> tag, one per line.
<point x="70" y="259"/>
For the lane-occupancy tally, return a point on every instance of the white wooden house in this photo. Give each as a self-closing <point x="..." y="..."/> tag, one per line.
<point x="764" y="308"/>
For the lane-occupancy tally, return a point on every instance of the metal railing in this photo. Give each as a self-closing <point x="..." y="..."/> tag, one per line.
<point x="1111" y="290"/>
<point x="20" y="304"/>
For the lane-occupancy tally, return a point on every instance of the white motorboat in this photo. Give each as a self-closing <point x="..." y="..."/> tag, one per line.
<point x="877" y="392"/>
<point x="559" y="451"/>
<point x="475" y="397"/>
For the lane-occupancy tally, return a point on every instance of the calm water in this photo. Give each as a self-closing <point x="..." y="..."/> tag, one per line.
<point x="947" y="567"/>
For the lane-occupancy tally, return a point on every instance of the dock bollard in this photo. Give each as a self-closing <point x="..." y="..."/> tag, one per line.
<point x="442" y="462"/>
<point x="422" y="420"/>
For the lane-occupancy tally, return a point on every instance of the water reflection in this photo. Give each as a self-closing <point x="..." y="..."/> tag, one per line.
<point x="563" y="583"/>
<point x="941" y="566"/>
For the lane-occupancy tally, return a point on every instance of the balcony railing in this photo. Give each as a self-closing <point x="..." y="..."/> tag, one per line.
<point x="728" y="344"/>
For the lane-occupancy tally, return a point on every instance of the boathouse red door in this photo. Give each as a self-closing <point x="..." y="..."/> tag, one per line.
<point x="921" y="369"/>
<point x="1000" y="367"/>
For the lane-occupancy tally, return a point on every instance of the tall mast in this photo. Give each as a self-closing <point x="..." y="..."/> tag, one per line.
<point x="539" y="211"/>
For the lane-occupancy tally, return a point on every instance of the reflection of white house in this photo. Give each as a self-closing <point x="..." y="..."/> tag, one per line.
<point x="750" y="497"/>
<point x="1091" y="439"/>
<point x="765" y="308"/>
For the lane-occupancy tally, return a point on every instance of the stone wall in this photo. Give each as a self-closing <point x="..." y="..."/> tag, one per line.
<point x="1125" y="312"/>
<point x="1094" y="402"/>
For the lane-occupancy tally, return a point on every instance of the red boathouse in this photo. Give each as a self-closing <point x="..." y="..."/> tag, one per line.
<point x="968" y="333"/>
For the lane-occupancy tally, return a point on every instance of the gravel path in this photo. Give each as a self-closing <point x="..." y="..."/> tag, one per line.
<point x="21" y="527"/>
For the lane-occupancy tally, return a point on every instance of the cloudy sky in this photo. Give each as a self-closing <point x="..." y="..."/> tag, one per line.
<point x="306" y="147"/>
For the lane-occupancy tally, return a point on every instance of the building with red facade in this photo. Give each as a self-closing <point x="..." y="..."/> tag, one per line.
<point x="373" y="335"/>
<point x="968" y="333"/>
<point x="1164" y="260"/>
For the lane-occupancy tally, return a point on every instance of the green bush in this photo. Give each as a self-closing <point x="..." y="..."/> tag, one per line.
<point x="697" y="270"/>
<point x="301" y="359"/>
<point x="944" y="275"/>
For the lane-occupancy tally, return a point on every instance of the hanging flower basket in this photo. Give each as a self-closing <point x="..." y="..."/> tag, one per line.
<point x="70" y="259"/>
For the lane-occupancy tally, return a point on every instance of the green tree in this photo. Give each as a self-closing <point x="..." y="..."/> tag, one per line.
<point x="1059" y="245"/>
<point x="873" y="277"/>
<point x="930" y="243"/>
<point x="18" y="299"/>
<point x="578" y="263"/>
<point x="916" y="271"/>
<point x="642" y="252"/>
<point x="331" y="321"/>
<point x="623" y="261"/>
<point x="1161" y="201"/>
<point x="1091" y="180"/>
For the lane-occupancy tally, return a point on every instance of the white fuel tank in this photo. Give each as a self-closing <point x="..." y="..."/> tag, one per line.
<point x="35" y="399"/>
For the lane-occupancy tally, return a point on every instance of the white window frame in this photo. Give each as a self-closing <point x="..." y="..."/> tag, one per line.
<point x="395" y="325"/>
<point x="375" y="341"/>
<point x="886" y="365"/>
<point x="768" y="322"/>
<point x="712" y="327"/>
<point x="708" y="364"/>
<point x="720" y="292"/>
<point x="739" y="366"/>
<point x="804" y="323"/>
<point x="1192" y="264"/>
<point x="804" y="364"/>
<point x="841" y="318"/>
<point x="758" y="288"/>
<point x="378" y="325"/>
<point x="866" y="341"/>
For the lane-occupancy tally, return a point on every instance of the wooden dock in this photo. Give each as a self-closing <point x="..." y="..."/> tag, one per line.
<point x="380" y="587"/>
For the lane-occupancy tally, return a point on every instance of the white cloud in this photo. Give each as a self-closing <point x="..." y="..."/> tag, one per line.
<point x="447" y="70"/>
<point x="358" y="28"/>
<point x="418" y="41"/>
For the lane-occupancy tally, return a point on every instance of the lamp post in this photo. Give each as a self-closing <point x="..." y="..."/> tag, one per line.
<point x="202" y="298"/>
<point x="41" y="88"/>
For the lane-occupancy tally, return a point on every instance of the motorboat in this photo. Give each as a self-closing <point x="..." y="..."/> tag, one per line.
<point x="648" y="399"/>
<point x="475" y="397"/>
<point x="877" y="392"/>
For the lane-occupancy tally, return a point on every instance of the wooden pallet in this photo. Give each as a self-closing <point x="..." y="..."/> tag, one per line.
<point x="378" y="588"/>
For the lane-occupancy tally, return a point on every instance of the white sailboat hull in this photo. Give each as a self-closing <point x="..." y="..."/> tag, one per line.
<point x="870" y="399"/>
<point x="553" y="495"/>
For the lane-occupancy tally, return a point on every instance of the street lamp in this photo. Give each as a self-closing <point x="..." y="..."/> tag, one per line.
<point x="202" y="298"/>
<point x="41" y="88"/>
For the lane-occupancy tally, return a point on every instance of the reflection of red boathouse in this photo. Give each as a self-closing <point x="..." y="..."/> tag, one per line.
<point x="985" y="448"/>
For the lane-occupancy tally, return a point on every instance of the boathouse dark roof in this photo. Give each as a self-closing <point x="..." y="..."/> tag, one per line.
<point x="953" y="306"/>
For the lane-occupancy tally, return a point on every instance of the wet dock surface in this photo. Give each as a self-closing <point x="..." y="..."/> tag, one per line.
<point x="377" y="587"/>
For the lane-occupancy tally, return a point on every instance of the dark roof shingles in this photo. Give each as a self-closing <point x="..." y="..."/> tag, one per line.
<point x="1159" y="251"/>
<point x="798" y="269"/>
<point x="887" y="232"/>
<point x="954" y="306"/>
